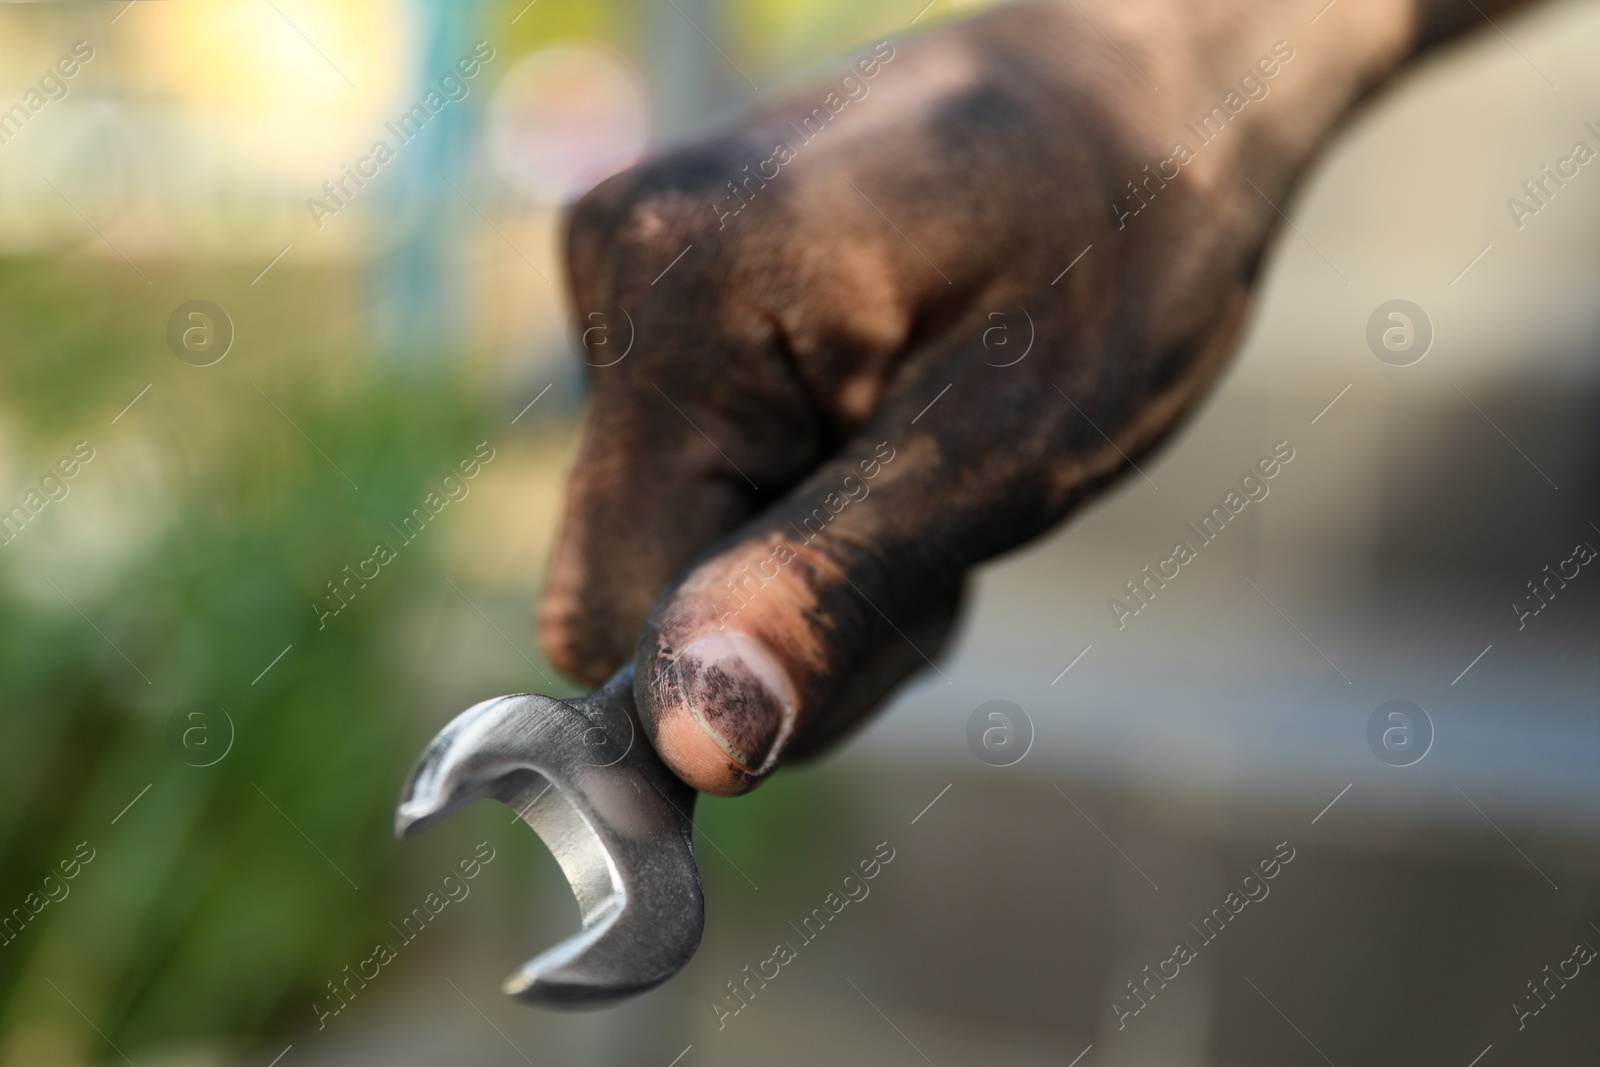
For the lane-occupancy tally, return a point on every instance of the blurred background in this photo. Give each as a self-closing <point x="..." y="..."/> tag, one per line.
<point x="201" y="741"/>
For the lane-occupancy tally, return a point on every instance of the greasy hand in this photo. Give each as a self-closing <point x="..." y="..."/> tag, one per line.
<point x="857" y="364"/>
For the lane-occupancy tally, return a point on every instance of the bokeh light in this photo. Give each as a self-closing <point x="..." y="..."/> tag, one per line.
<point x="565" y="117"/>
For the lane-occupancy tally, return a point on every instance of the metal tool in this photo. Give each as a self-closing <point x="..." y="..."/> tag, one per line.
<point x="581" y="773"/>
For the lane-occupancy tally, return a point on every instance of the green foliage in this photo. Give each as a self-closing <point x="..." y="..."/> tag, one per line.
<point x="205" y="906"/>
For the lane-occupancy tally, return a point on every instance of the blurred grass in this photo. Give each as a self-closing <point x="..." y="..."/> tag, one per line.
<point x="204" y="908"/>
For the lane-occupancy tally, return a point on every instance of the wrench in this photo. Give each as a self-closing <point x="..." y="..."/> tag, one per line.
<point x="617" y="821"/>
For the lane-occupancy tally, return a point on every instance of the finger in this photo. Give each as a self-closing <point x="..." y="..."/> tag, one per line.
<point x="894" y="662"/>
<point x="634" y="515"/>
<point x="792" y="632"/>
<point x="694" y="419"/>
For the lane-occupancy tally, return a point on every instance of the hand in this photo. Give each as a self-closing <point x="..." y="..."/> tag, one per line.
<point x="818" y="429"/>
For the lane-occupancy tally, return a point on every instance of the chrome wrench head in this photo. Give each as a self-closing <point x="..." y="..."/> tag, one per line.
<point x="582" y="774"/>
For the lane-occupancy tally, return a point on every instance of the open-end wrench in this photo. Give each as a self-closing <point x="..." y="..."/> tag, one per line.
<point x="581" y="773"/>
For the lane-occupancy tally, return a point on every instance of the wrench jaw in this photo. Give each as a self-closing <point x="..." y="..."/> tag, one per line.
<point x="472" y="758"/>
<point x="617" y="821"/>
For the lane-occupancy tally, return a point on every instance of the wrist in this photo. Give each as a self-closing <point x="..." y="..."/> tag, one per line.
<point x="1342" y="51"/>
<point x="1273" y="76"/>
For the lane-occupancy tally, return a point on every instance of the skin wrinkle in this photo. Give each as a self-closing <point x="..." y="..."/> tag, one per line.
<point x="792" y="591"/>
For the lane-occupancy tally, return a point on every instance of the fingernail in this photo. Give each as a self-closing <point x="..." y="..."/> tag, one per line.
<point x="739" y="695"/>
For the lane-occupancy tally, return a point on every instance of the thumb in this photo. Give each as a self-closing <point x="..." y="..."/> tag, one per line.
<point x="797" y="626"/>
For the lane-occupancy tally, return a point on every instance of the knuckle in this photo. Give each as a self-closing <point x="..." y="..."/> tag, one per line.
<point x="651" y="209"/>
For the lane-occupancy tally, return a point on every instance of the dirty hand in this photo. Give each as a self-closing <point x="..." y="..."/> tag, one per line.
<point x="840" y="358"/>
